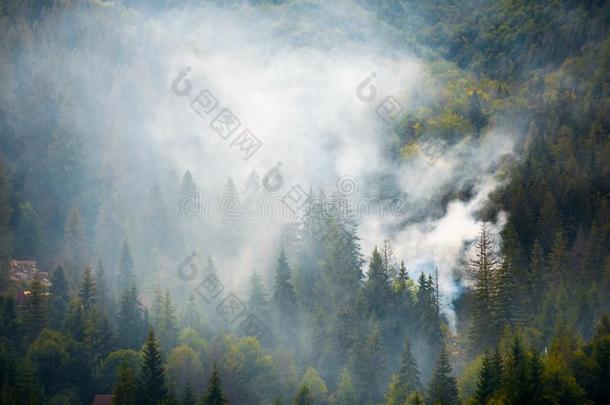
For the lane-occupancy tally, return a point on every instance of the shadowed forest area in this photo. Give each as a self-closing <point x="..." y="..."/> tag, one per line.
<point x="304" y="202"/>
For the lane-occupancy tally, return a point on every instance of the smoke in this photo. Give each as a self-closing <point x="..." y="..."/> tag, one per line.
<point x="294" y="76"/>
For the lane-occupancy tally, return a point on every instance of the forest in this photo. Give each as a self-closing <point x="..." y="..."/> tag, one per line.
<point x="377" y="202"/>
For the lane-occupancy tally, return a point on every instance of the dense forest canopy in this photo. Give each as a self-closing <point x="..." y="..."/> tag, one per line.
<point x="304" y="202"/>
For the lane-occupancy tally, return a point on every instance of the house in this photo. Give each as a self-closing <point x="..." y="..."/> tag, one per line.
<point x="102" y="399"/>
<point x="23" y="271"/>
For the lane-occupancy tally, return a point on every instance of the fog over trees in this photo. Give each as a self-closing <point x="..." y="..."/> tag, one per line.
<point x="304" y="202"/>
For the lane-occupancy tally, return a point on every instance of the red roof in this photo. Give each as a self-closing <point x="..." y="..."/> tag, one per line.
<point x="102" y="400"/>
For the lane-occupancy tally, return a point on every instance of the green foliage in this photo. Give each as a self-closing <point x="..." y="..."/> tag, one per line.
<point x="183" y="369"/>
<point x="214" y="395"/>
<point x="303" y="397"/>
<point x="316" y="386"/>
<point x="126" y="278"/>
<point x="130" y="322"/>
<point x="87" y="291"/>
<point x="59" y="297"/>
<point x="346" y="394"/>
<point x="406" y="381"/>
<point x="284" y="299"/>
<point x="125" y="389"/>
<point x="442" y="388"/>
<point x="151" y="387"/>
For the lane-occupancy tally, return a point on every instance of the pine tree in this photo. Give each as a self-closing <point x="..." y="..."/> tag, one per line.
<point x="214" y="396"/>
<point x="27" y="387"/>
<point x="75" y="250"/>
<point x="99" y="337"/>
<point x="105" y="305"/>
<point x="516" y="375"/>
<point x="191" y="318"/>
<point x="368" y="365"/>
<point x="284" y="298"/>
<point x="130" y="322"/>
<point x="497" y="365"/>
<point x="486" y="385"/>
<point x="152" y="374"/>
<point x="75" y="321"/>
<point x="167" y="325"/>
<point x="188" y="187"/>
<point x="340" y="268"/>
<point x="427" y="310"/>
<point x="387" y="255"/>
<point x="59" y="297"/>
<point x="505" y="294"/>
<point x="303" y="397"/>
<point x="415" y="399"/>
<point x="346" y="394"/>
<point x="483" y="272"/>
<point x="126" y="277"/>
<point x="443" y="386"/>
<point x="86" y="291"/>
<point x="188" y="396"/>
<point x="258" y="301"/>
<point x="536" y="275"/>
<point x="377" y="289"/>
<point x="535" y="380"/>
<point x="558" y="261"/>
<point x="406" y="380"/>
<point x="125" y="389"/>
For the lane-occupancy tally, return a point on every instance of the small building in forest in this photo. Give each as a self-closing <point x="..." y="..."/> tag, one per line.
<point x="102" y="399"/>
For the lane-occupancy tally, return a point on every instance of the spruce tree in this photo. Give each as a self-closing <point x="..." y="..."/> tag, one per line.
<point x="59" y="298"/>
<point x="346" y="394"/>
<point x="167" y="324"/>
<point x="104" y="300"/>
<point x="284" y="298"/>
<point x="126" y="276"/>
<point x="75" y="321"/>
<point x="368" y="365"/>
<point x="75" y="250"/>
<point x="188" y="396"/>
<point x="536" y="275"/>
<point x="516" y="375"/>
<point x="191" y="318"/>
<point x="377" y="290"/>
<point x="505" y="293"/>
<point x="258" y="302"/>
<point x="303" y="397"/>
<point x="214" y="395"/>
<point x="406" y="380"/>
<point x="130" y="323"/>
<point x="486" y="385"/>
<point x="340" y="267"/>
<point x="86" y="291"/>
<point x="483" y="273"/>
<point x="188" y="187"/>
<point x="415" y="399"/>
<point x="443" y="389"/>
<point x="152" y="373"/>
